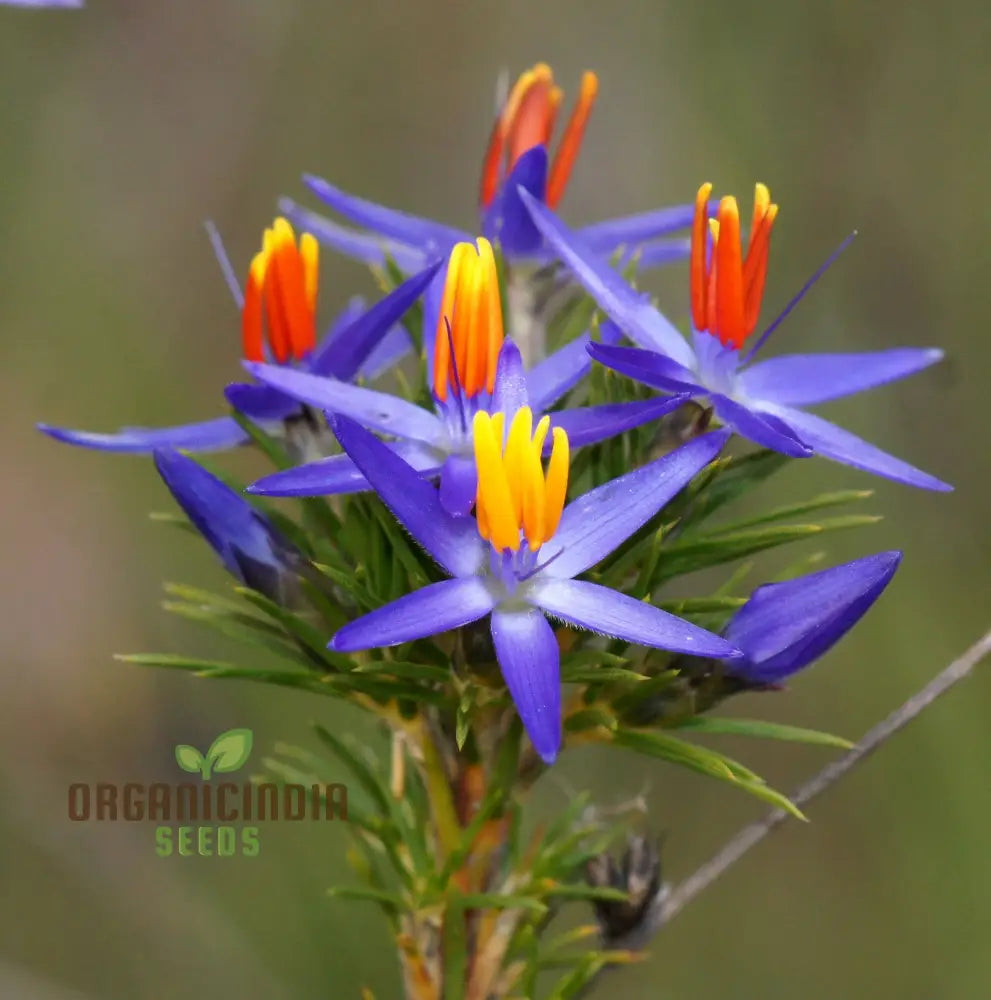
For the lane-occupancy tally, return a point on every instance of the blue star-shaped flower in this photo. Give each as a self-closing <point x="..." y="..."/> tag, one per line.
<point x="761" y="401"/>
<point x="518" y="561"/>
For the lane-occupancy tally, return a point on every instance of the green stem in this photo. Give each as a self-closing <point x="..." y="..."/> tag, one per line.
<point x="439" y="793"/>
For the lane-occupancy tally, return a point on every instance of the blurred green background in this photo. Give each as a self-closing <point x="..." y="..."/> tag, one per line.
<point x="126" y="125"/>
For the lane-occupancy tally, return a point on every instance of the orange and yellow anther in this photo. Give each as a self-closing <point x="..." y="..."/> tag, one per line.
<point x="280" y="296"/>
<point x="516" y="497"/>
<point x="527" y="120"/>
<point x="469" y="328"/>
<point x="727" y="289"/>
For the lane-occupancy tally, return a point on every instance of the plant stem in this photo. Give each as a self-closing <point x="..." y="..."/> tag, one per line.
<point x="753" y="834"/>
<point x="672" y="902"/>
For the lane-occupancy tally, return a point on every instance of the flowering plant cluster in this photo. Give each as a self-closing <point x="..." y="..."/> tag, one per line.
<point x="502" y="465"/>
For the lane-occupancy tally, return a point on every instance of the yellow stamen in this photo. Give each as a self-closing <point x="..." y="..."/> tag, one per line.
<point x="726" y="291"/>
<point x="515" y="496"/>
<point x="470" y="321"/>
<point x="280" y="296"/>
<point x="527" y="119"/>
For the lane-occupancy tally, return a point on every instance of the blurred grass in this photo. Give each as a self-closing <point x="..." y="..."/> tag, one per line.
<point x="127" y="125"/>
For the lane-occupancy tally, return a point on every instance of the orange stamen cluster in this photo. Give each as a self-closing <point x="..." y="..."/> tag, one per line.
<point x="280" y="297"/>
<point x="527" y="120"/>
<point x="469" y="327"/>
<point x="515" y="496"/>
<point x="727" y="291"/>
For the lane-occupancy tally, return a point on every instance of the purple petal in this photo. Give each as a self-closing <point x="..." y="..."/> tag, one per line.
<point x="354" y="344"/>
<point x="391" y="349"/>
<point x="528" y="655"/>
<point x="663" y="252"/>
<point x="517" y="234"/>
<point x="437" y="608"/>
<point x="511" y="381"/>
<point x="608" y="612"/>
<point x="260" y="402"/>
<point x="588" y="424"/>
<point x="321" y="362"/>
<point x="338" y="474"/>
<point x="66" y="4"/>
<point x="596" y="523"/>
<point x="433" y="299"/>
<point x="492" y="217"/>
<point x="409" y="229"/>
<point x="378" y="410"/>
<point x="761" y="428"/>
<point x="453" y="542"/>
<point x="248" y="545"/>
<point x="458" y="485"/>
<point x="833" y="442"/>
<point x="561" y="371"/>
<point x="803" y="379"/>
<point x="210" y="435"/>
<point x="785" y="626"/>
<point x="649" y="367"/>
<point x="224" y="262"/>
<point x="628" y="308"/>
<point x="368" y="248"/>
<point x="634" y="230"/>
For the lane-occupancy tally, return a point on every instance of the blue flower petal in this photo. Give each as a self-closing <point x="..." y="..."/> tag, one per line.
<point x="458" y="485"/>
<point x="511" y="381"/>
<point x="528" y="655"/>
<point x="561" y="371"/>
<point x="249" y="547"/>
<point x="608" y="612"/>
<point x="378" y="410"/>
<point x="366" y="247"/>
<point x="401" y="226"/>
<point x="210" y="435"/>
<point x="785" y="626"/>
<point x="589" y="424"/>
<point x="635" y="230"/>
<point x="260" y="402"/>
<point x="628" y="308"/>
<point x="436" y="608"/>
<point x="518" y="236"/>
<point x="353" y="345"/>
<point x="761" y="428"/>
<point x="453" y="542"/>
<point x="433" y="299"/>
<point x="804" y="379"/>
<point x="649" y="367"/>
<point x="833" y="442"/>
<point x="663" y="252"/>
<point x="391" y="349"/>
<point x="558" y="373"/>
<point x="596" y="523"/>
<point x="338" y="474"/>
<point x="321" y="360"/>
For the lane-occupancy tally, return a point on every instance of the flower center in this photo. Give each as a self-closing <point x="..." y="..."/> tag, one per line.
<point x="280" y="296"/>
<point x="527" y="120"/>
<point x="726" y="285"/>
<point x="517" y="500"/>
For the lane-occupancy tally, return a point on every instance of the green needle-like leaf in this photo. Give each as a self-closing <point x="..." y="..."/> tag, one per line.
<point x="763" y="730"/>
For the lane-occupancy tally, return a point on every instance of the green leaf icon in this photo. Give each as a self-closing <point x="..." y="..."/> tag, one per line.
<point x="230" y="750"/>
<point x="189" y="758"/>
